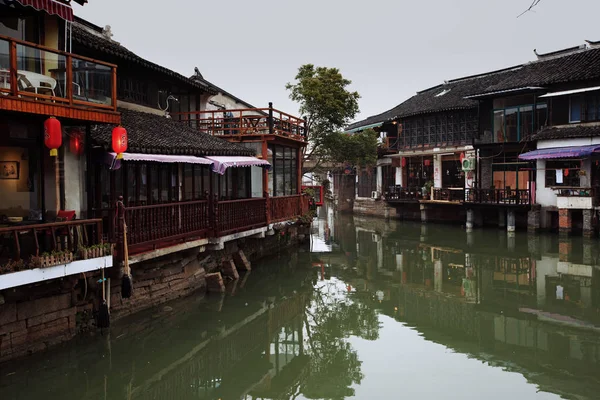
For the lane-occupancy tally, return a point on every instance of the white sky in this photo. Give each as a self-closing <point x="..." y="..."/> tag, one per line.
<point x="388" y="48"/>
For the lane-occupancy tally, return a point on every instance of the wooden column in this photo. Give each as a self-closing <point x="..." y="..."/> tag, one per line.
<point x="265" y="156"/>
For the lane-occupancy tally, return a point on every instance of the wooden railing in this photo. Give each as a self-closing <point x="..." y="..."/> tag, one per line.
<point x="233" y="216"/>
<point x="398" y="192"/>
<point x="446" y="194"/>
<point x="22" y="242"/>
<point x="285" y="207"/>
<point x="245" y="121"/>
<point x="162" y="223"/>
<point x="29" y="70"/>
<point x="516" y="197"/>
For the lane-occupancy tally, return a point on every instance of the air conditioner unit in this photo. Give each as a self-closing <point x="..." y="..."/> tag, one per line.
<point x="468" y="164"/>
<point x="375" y="194"/>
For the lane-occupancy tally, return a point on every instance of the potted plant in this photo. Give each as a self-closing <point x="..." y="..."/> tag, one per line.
<point x="427" y="189"/>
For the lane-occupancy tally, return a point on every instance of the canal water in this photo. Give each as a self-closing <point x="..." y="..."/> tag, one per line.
<point x="371" y="310"/>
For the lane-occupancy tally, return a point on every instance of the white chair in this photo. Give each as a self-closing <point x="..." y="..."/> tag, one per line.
<point x="39" y="82"/>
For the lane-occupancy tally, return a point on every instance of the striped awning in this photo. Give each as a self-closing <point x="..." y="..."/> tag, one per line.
<point x="561" y="152"/>
<point x="52" y="7"/>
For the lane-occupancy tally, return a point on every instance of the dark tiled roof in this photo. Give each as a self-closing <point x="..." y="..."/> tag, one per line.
<point x="578" y="66"/>
<point x="83" y="36"/>
<point x="568" y="131"/>
<point x="448" y="96"/>
<point x="155" y="134"/>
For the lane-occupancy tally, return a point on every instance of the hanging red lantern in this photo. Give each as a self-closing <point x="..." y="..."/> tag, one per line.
<point x="403" y="162"/>
<point x="76" y="142"/>
<point x="566" y="172"/>
<point x="462" y="157"/>
<point x="52" y="135"/>
<point x="427" y="163"/>
<point x="119" y="141"/>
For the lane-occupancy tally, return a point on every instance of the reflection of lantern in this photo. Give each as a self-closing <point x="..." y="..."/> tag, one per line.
<point x="119" y="141"/>
<point x="427" y="163"/>
<point x="76" y="142"/>
<point x="403" y="162"/>
<point x="52" y="135"/>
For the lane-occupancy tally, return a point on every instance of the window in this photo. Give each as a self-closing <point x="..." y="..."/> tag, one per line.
<point x="283" y="178"/>
<point x="562" y="173"/>
<point x="575" y="109"/>
<point x="515" y="123"/>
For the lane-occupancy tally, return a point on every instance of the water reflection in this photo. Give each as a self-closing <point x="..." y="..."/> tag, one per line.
<point x="372" y="310"/>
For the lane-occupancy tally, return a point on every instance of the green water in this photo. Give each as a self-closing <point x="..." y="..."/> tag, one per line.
<point x="372" y="310"/>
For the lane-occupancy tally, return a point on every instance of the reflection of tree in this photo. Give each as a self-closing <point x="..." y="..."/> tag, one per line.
<point x="330" y="319"/>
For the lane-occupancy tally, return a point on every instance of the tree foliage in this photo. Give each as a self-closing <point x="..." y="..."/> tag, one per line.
<point x="326" y="102"/>
<point x="358" y="149"/>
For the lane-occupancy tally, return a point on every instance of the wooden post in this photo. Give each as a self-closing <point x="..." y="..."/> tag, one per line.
<point x="69" y="82"/>
<point x="241" y="261"/>
<point x="267" y="207"/>
<point x="265" y="156"/>
<point x="14" y="87"/>
<point x="271" y="124"/>
<point x="214" y="283"/>
<point x="215" y="215"/>
<point x="228" y="269"/>
<point x="57" y="182"/>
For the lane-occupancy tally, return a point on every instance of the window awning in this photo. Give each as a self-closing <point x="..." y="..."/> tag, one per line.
<point x="221" y="163"/>
<point x="52" y="7"/>
<point x="163" y="158"/>
<point x="574" y="91"/>
<point x="561" y="152"/>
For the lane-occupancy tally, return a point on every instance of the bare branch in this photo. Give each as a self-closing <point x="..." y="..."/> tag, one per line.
<point x="531" y="7"/>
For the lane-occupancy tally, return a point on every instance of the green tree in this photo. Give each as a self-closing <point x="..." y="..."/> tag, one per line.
<point x="358" y="149"/>
<point x="326" y="102"/>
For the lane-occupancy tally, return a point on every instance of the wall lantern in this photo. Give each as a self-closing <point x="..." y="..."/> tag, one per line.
<point x="119" y="141"/>
<point x="403" y="162"/>
<point x="427" y="163"/>
<point x="52" y="135"/>
<point x="76" y="142"/>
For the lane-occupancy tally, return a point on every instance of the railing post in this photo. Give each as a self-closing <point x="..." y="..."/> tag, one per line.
<point x="271" y="124"/>
<point x="214" y="206"/>
<point x="14" y="87"/>
<point x="114" y="88"/>
<point x="267" y="207"/>
<point x="69" y="79"/>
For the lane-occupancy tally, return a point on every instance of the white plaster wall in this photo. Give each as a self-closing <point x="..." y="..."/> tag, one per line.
<point x="379" y="179"/>
<point x="437" y="171"/>
<point x="257" y="183"/>
<point x="74" y="168"/>
<point x="544" y="196"/>
<point x="398" y="176"/>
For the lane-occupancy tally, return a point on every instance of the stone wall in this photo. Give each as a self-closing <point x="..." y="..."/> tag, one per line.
<point x="375" y="208"/>
<point x="36" y="317"/>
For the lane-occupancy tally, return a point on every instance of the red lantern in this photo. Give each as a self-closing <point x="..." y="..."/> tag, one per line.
<point x="76" y="142"/>
<point x="119" y="141"/>
<point x="462" y="157"/>
<point x="403" y="162"/>
<point x="52" y="135"/>
<point x="427" y="163"/>
<point x="566" y="172"/>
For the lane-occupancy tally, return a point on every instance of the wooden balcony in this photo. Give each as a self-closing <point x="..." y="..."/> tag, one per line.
<point x="237" y="124"/>
<point x="40" y="80"/>
<point x="161" y="225"/>
<point x="498" y="197"/>
<point x="402" y="194"/>
<point x="34" y="252"/>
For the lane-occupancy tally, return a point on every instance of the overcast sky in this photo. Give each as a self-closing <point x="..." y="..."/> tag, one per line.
<point x="388" y="48"/>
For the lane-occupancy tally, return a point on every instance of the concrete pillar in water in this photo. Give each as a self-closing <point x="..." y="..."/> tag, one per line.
<point x="423" y="208"/>
<point x="533" y="245"/>
<point x="511" y="240"/>
<point x="438" y="277"/>
<point x="214" y="283"/>
<point x="588" y="251"/>
<point x="564" y="220"/>
<point x="478" y="221"/>
<point x="229" y="270"/>
<point x="470" y="237"/>
<point x="534" y="219"/>
<point x="588" y="223"/>
<point x="470" y="219"/>
<point x="423" y="232"/>
<point x="511" y="221"/>
<point x="502" y="218"/>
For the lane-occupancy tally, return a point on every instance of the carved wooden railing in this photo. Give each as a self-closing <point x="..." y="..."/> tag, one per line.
<point x="29" y="70"/>
<point x="163" y="223"/>
<point x="285" y="207"/>
<point x="454" y="195"/>
<point x="401" y="193"/>
<point x="233" y="216"/>
<point x="22" y="242"/>
<point x="245" y="121"/>
<point x="516" y="197"/>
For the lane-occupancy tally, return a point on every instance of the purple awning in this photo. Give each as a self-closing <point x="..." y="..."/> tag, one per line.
<point x="220" y="164"/>
<point x="52" y="7"/>
<point x="560" y="152"/>
<point x="161" y="158"/>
